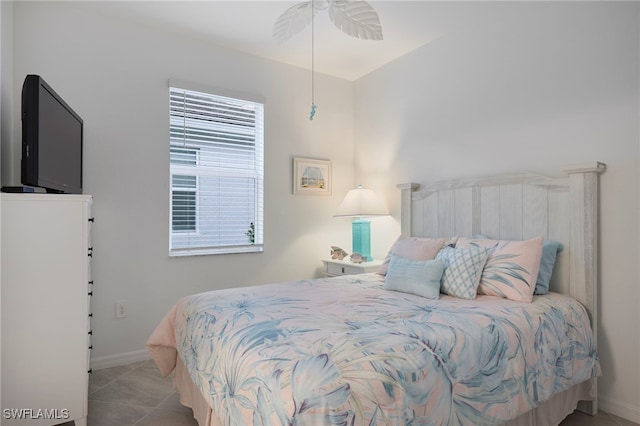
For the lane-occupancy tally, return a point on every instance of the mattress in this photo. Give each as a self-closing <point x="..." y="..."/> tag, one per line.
<point x="344" y="350"/>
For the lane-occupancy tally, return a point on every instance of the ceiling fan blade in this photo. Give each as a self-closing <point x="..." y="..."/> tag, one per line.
<point x="292" y="21"/>
<point x="356" y="18"/>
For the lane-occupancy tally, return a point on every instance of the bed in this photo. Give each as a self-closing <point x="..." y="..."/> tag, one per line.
<point x="356" y="350"/>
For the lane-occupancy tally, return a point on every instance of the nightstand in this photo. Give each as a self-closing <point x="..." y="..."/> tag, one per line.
<point x="335" y="267"/>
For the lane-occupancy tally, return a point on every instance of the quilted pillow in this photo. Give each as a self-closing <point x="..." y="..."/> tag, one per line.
<point x="414" y="248"/>
<point x="420" y="277"/>
<point x="462" y="270"/>
<point x="512" y="267"/>
<point x="550" y="249"/>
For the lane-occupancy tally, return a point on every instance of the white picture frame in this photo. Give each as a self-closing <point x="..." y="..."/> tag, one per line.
<point x="311" y="176"/>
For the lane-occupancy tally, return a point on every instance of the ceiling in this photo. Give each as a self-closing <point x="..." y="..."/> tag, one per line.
<point x="247" y="26"/>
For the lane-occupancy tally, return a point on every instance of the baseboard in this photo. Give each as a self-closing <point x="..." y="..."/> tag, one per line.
<point x="621" y="409"/>
<point x="100" y="362"/>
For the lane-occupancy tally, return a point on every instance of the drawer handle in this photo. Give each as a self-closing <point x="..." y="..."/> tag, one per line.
<point x="343" y="269"/>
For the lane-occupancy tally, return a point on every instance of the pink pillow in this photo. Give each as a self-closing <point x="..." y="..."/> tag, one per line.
<point x="414" y="248"/>
<point x="511" y="269"/>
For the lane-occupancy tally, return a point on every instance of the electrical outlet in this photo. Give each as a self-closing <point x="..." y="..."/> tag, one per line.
<point x="122" y="309"/>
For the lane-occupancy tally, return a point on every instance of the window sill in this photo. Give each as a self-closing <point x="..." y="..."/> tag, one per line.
<point x="253" y="248"/>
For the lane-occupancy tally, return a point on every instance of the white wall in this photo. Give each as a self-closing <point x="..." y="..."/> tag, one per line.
<point x="518" y="86"/>
<point x="115" y="74"/>
<point x="7" y="113"/>
<point x="525" y="86"/>
<point x="6" y="90"/>
<point x="2" y="55"/>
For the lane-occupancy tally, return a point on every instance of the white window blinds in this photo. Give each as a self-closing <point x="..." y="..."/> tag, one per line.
<point x="216" y="165"/>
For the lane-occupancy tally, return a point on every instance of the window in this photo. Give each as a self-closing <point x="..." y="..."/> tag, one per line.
<point x="216" y="158"/>
<point x="183" y="203"/>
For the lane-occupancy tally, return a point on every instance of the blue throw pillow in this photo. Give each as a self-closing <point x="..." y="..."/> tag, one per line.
<point x="550" y="249"/>
<point x="420" y="277"/>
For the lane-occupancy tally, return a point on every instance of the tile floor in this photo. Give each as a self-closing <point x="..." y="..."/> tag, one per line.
<point x="137" y="395"/>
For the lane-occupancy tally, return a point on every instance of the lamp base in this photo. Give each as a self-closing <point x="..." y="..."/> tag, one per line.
<point x="361" y="238"/>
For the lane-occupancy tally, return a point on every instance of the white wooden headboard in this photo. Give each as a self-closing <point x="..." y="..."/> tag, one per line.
<point x="518" y="207"/>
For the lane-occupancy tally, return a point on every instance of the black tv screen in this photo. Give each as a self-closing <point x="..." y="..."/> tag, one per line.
<point x="51" y="139"/>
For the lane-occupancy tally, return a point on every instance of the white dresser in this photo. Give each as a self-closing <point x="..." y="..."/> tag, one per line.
<point x="46" y="290"/>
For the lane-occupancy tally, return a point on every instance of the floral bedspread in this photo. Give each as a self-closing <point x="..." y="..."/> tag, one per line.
<point x="344" y="351"/>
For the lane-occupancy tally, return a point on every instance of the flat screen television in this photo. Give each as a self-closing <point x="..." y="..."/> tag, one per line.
<point x="51" y="139"/>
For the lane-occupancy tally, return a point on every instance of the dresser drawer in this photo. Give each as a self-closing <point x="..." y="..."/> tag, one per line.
<point x="333" y="267"/>
<point x="340" y="269"/>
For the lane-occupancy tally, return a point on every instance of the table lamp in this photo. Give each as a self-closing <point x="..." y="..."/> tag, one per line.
<point x="361" y="203"/>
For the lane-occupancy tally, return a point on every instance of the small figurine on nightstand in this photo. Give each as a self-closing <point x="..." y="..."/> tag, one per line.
<point x="338" y="253"/>
<point x="357" y="258"/>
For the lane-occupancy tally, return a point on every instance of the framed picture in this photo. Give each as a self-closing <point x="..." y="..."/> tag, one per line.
<point x="311" y="177"/>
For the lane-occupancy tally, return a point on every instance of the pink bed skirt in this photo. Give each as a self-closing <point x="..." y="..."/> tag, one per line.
<point x="551" y="412"/>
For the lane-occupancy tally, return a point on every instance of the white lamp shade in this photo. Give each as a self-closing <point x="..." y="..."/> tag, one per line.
<point x="361" y="202"/>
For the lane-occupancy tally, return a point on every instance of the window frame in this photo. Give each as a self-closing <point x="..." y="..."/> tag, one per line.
<point x="256" y="174"/>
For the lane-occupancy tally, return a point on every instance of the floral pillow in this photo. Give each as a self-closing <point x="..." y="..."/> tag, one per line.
<point x="414" y="248"/>
<point x="511" y="269"/>
<point x="550" y="250"/>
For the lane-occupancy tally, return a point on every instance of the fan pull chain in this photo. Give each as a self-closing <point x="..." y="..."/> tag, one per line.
<point x="312" y="114"/>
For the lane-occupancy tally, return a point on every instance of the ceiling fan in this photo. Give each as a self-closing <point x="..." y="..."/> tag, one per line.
<point x="355" y="18"/>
